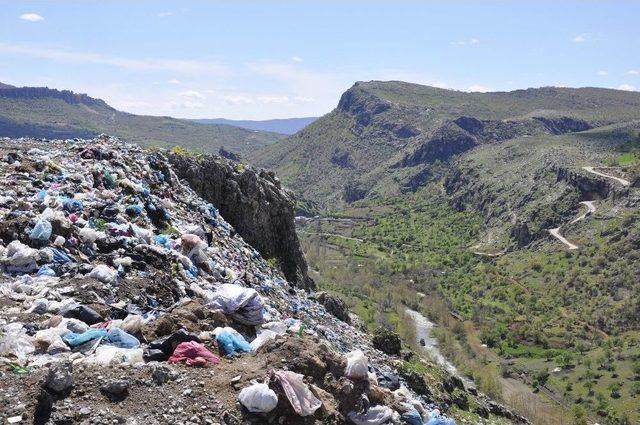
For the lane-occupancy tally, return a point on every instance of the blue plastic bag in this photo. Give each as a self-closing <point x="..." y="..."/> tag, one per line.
<point x="440" y="420"/>
<point x="41" y="231"/>
<point x="232" y="343"/>
<point x="412" y="417"/>
<point x="72" y="205"/>
<point x="73" y="339"/>
<point x="134" y="209"/>
<point x="121" y="339"/>
<point x="41" y="195"/>
<point x="46" y="271"/>
<point x="60" y="257"/>
<point x="163" y="240"/>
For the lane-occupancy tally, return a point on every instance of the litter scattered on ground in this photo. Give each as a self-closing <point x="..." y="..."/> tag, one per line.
<point x="117" y="279"/>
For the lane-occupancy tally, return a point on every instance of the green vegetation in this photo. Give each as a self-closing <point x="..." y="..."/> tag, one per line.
<point x="40" y="112"/>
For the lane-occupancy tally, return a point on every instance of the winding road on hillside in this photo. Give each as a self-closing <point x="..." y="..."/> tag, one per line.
<point x="591" y="208"/>
<point x="598" y="173"/>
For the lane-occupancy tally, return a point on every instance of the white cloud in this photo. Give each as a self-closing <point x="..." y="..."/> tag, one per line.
<point x="580" y="38"/>
<point x="602" y="73"/>
<point x="465" y="42"/>
<point x="192" y="94"/>
<point x="31" y="17"/>
<point x="272" y="99"/>
<point x="174" y="81"/>
<point x="164" y="14"/>
<point x="187" y="104"/>
<point x="304" y="99"/>
<point x="478" y="88"/>
<point x="132" y="64"/>
<point x="237" y="99"/>
<point x="633" y="72"/>
<point x="626" y="87"/>
<point x="296" y="59"/>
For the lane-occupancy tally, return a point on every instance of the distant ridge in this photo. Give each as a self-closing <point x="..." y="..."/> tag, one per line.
<point x="282" y="126"/>
<point x="42" y="112"/>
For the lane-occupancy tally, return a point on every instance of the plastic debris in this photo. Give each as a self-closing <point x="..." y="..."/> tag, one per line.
<point x="258" y="398"/>
<point x="193" y="354"/>
<point x="357" y="365"/>
<point x="298" y="393"/>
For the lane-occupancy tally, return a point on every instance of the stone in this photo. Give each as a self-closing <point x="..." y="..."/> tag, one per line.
<point x="334" y="305"/>
<point x="387" y="341"/>
<point x="60" y="378"/>
<point x="116" y="389"/>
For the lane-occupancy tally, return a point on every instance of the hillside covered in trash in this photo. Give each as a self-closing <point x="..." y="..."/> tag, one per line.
<point x="125" y="297"/>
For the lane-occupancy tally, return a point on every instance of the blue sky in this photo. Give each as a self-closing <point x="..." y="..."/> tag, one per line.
<point x="274" y="59"/>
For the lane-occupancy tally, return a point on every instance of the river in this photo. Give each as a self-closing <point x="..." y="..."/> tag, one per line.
<point x="423" y="328"/>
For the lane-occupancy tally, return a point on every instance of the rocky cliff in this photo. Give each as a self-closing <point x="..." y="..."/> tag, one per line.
<point x="255" y="203"/>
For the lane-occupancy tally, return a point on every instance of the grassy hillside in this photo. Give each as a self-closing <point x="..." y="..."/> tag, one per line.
<point x="40" y="112"/>
<point x="386" y="137"/>
<point x="454" y="195"/>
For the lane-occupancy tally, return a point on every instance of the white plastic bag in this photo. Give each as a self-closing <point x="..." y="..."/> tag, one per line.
<point x="258" y="398"/>
<point x="263" y="337"/>
<point x="132" y="324"/>
<point x="357" y="365"/>
<point x="104" y="274"/>
<point x="15" y="341"/>
<point x="376" y="415"/>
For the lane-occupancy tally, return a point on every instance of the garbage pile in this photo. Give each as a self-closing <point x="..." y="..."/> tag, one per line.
<point x="125" y="298"/>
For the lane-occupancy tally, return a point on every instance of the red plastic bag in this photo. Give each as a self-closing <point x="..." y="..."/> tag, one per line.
<point x="194" y="354"/>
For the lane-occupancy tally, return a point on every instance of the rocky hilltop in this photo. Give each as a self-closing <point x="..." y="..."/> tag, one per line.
<point x="126" y="296"/>
<point x="389" y="137"/>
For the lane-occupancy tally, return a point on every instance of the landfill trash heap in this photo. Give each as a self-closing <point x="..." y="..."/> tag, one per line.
<point x="127" y="298"/>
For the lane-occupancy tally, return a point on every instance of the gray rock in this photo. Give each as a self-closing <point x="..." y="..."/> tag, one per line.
<point x="116" y="389"/>
<point x="60" y="378"/>
<point x="162" y="374"/>
<point x="254" y="203"/>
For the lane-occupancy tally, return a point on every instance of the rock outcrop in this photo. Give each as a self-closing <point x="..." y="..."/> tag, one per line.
<point x="254" y="203"/>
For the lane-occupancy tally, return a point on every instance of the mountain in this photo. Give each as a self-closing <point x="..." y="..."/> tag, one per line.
<point x="50" y="113"/>
<point x="282" y="126"/>
<point x="384" y="136"/>
<point x="138" y="306"/>
<point x="510" y="219"/>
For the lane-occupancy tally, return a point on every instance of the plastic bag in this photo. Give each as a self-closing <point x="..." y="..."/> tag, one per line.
<point x="232" y="342"/>
<point x="376" y="415"/>
<point x="258" y="398"/>
<point x="50" y="341"/>
<point x="18" y="254"/>
<point x="243" y="304"/>
<point x="411" y="417"/>
<point x="262" y="338"/>
<point x="194" y="354"/>
<point x="298" y="393"/>
<point x="104" y="274"/>
<point x="121" y="339"/>
<point x="41" y="231"/>
<point x="109" y="354"/>
<point x="436" y="419"/>
<point x="357" y="365"/>
<point x="72" y="205"/>
<point x="15" y="341"/>
<point x="73" y="339"/>
<point x="132" y="324"/>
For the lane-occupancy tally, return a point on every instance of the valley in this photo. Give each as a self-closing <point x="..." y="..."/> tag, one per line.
<point x="522" y="230"/>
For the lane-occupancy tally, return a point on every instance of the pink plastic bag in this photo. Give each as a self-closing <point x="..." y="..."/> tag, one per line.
<point x="300" y="396"/>
<point x="194" y="354"/>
